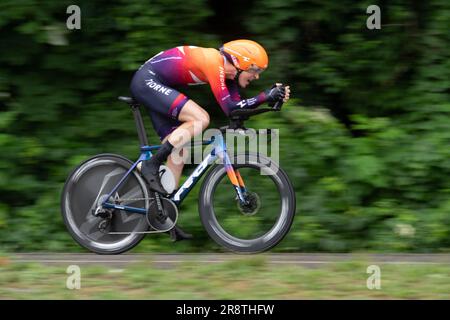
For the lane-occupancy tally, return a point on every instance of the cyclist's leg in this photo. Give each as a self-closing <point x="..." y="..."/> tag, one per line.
<point x="175" y="163"/>
<point x="194" y="120"/>
<point x="168" y="108"/>
<point x="171" y="113"/>
<point x="163" y="105"/>
<point x="176" y="166"/>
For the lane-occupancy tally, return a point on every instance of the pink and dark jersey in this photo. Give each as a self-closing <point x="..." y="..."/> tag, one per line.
<point x="189" y="65"/>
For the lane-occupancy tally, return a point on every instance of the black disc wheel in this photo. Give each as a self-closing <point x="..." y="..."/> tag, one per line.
<point x="104" y="231"/>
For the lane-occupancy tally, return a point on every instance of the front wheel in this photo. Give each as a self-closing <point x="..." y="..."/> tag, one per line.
<point x="268" y="215"/>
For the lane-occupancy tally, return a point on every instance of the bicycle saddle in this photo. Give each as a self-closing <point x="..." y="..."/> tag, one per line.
<point x="128" y="100"/>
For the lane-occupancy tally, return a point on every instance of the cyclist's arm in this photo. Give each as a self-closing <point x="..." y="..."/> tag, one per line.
<point x="234" y="90"/>
<point x="216" y="79"/>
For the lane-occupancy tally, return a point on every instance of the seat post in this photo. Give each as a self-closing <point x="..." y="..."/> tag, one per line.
<point x="142" y="134"/>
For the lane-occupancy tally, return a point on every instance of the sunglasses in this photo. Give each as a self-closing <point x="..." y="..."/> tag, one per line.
<point x="255" y="70"/>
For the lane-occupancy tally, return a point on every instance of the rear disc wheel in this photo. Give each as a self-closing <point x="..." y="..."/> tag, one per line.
<point x="84" y="191"/>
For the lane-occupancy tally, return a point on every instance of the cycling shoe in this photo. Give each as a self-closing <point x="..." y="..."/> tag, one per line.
<point x="177" y="234"/>
<point x="152" y="177"/>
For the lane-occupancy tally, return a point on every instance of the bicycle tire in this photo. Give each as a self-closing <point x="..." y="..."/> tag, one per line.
<point x="70" y="211"/>
<point x="230" y="242"/>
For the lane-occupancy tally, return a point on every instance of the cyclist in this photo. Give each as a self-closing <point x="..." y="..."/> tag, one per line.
<point x="174" y="116"/>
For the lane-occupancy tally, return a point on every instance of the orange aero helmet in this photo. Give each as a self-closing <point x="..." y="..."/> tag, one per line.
<point x="245" y="53"/>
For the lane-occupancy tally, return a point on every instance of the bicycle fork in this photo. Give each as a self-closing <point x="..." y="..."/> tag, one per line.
<point x="232" y="173"/>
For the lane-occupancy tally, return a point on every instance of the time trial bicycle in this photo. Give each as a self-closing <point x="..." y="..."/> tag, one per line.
<point x="246" y="206"/>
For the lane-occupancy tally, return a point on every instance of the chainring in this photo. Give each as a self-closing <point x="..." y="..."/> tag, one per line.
<point x="170" y="211"/>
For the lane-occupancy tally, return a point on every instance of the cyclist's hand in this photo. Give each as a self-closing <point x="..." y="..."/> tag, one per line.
<point x="287" y="91"/>
<point x="275" y="93"/>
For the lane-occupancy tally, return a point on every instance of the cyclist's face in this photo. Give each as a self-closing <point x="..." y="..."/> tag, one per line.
<point x="246" y="77"/>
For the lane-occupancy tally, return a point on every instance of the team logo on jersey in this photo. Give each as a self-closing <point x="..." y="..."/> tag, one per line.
<point x="241" y="103"/>
<point x="222" y="78"/>
<point x="251" y="101"/>
<point x="157" y="87"/>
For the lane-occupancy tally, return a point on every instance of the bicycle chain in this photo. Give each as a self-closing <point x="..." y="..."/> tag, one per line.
<point x="121" y="200"/>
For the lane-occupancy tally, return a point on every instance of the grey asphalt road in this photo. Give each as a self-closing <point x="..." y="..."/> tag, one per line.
<point x="164" y="260"/>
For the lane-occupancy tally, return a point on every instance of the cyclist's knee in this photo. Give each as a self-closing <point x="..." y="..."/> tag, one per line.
<point x="193" y="112"/>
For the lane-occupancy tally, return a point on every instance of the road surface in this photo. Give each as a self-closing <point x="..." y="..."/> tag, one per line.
<point x="164" y="260"/>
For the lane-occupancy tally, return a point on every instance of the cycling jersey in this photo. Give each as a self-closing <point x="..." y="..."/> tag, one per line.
<point x="189" y="65"/>
<point x="154" y="82"/>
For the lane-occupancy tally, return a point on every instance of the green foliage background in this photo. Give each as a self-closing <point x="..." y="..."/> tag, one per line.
<point x="365" y="138"/>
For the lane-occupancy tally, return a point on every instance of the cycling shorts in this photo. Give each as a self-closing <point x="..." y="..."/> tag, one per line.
<point x="163" y="103"/>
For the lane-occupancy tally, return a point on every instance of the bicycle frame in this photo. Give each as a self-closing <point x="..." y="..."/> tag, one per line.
<point x="219" y="151"/>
